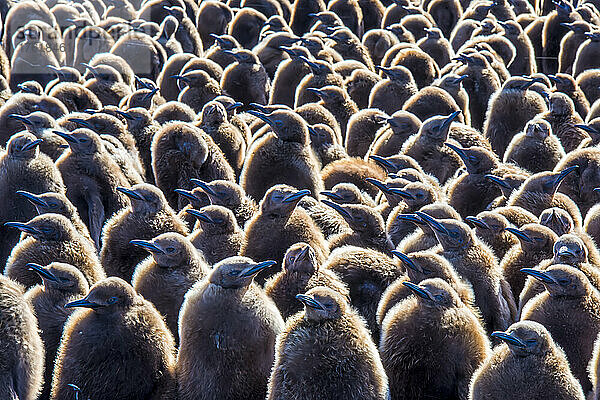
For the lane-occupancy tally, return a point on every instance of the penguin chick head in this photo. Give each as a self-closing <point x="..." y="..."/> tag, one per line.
<point x="569" y="249"/>
<point x="361" y="219"/>
<point x="225" y="42"/>
<point x="547" y="182"/>
<point x="318" y="67"/>
<point x="243" y="56"/>
<point x="46" y="228"/>
<point x="344" y="193"/>
<point x="393" y="164"/>
<point x="564" y="82"/>
<point x="281" y="200"/>
<point x="488" y="224"/>
<point x="424" y="265"/>
<point x="104" y="73"/>
<point x="321" y="136"/>
<point x="237" y="272"/>
<point x="82" y="142"/>
<point x="168" y="27"/>
<point x="145" y="198"/>
<point x="56" y="203"/>
<point x="508" y="183"/>
<point x="136" y="117"/>
<point x="109" y="296"/>
<point x="398" y="74"/>
<point x="330" y="94"/>
<point x="418" y="194"/>
<point x="194" y="79"/>
<point x="196" y="197"/>
<point x="36" y="122"/>
<point x="450" y="233"/>
<point x="169" y="250"/>
<point x="23" y="146"/>
<point x="557" y="219"/>
<point x="215" y="219"/>
<point x="562" y="280"/>
<point x="404" y="123"/>
<point x="538" y="129"/>
<point x="451" y="82"/>
<point x="300" y="259"/>
<point x="477" y="160"/>
<point x="392" y="189"/>
<point x="321" y="303"/>
<point x="222" y="193"/>
<point x="561" y="105"/>
<point x="435" y="293"/>
<point x="436" y="129"/>
<point x="61" y="277"/>
<point x="526" y="338"/>
<point x="101" y="123"/>
<point x="213" y="113"/>
<point x="287" y="125"/>
<point x="433" y="33"/>
<point x="534" y="237"/>
<point x="511" y="28"/>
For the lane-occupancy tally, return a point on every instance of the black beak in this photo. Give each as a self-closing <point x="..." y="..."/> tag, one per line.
<point x="332" y="195"/>
<point x="498" y="181"/>
<point x="345" y="214"/>
<point x="130" y="193"/>
<point x="204" y="186"/>
<point x="461" y="152"/>
<point x="539" y="275"/>
<point x="563" y="174"/>
<point x="414" y="218"/>
<point x="309" y="301"/>
<point x="81" y="122"/>
<point x="295" y="197"/>
<point x="83" y="303"/>
<point x="42" y="272"/>
<point x="125" y="115"/>
<point x="520" y="234"/>
<point x="21" y="118"/>
<point x="262" y="116"/>
<point x="388" y="166"/>
<point x="505" y="337"/>
<point x="32" y="144"/>
<point x="187" y="194"/>
<point x="378" y="184"/>
<point x="67" y="136"/>
<point x="432" y="222"/>
<point x="33" y="198"/>
<point x="478" y="222"/>
<point x="405" y="260"/>
<point x="22" y="227"/>
<point x="418" y="290"/>
<point x="151" y="247"/>
<point x="252" y="271"/>
<point x="200" y="215"/>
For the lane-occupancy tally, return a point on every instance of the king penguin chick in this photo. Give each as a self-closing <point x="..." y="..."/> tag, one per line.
<point x="112" y="309"/>
<point x="570" y="310"/>
<point x="301" y="271"/>
<point x="491" y="228"/>
<point x="389" y="95"/>
<point x="283" y="156"/>
<point x="423" y="237"/>
<point x="564" y="120"/>
<point x="418" y="331"/>
<point x="226" y="135"/>
<point x="536" y="149"/>
<point x="199" y="89"/>
<point x="195" y="154"/>
<point x="307" y="362"/>
<point x="228" y="348"/>
<point x="246" y="80"/>
<point x="61" y="284"/>
<point x="148" y="216"/>
<point x="529" y="363"/>
<point x="165" y="277"/>
<point x="23" y="167"/>
<point x="280" y="216"/>
<point x="41" y="125"/>
<point x="217" y="234"/>
<point x="535" y="244"/>
<point x="87" y="160"/>
<point x="475" y="261"/>
<point x="51" y="238"/>
<point x="22" y="371"/>
<point x="107" y="84"/>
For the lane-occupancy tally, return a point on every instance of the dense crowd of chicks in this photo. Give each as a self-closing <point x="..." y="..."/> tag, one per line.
<point x="265" y="199"/>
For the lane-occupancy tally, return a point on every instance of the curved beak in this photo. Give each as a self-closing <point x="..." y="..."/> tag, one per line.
<point x="345" y="214"/>
<point x="411" y="218"/>
<point x="262" y="116"/>
<point x="81" y="122"/>
<point x="309" y="301"/>
<point x="204" y="186"/>
<point x="255" y="269"/>
<point x="32" y="144"/>
<point x="402" y="193"/>
<point x="563" y="174"/>
<point x="295" y="197"/>
<point x="478" y="222"/>
<point x="21" y="118"/>
<point x="418" y="290"/>
<point x="33" y="198"/>
<point x="316" y="92"/>
<point x="587" y="128"/>
<point x="458" y="150"/>
<point x="181" y="78"/>
<point x="378" y="184"/>
<point x="83" y="303"/>
<point x="332" y="195"/>
<point x="67" y="136"/>
<point x="151" y="94"/>
<point x="303" y="253"/>
<point x="382" y="161"/>
<point x="132" y="194"/>
<point x="498" y="181"/>
<point x="539" y="275"/>
<point x="200" y="215"/>
<point x="519" y="234"/>
<point x="125" y="115"/>
<point x="42" y="272"/>
<point x="147" y="245"/>
<point x="23" y="227"/>
<point x="187" y="194"/>
<point x="310" y="64"/>
<point x="432" y="222"/>
<point x="233" y="106"/>
<point x="406" y="261"/>
<point x="505" y="337"/>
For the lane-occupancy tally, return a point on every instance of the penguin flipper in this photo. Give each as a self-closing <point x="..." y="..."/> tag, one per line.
<point x="96" y="216"/>
<point x="510" y="299"/>
<point x="7" y="388"/>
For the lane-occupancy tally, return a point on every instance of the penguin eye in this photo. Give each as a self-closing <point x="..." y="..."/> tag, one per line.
<point x="234" y="272"/>
<point x="419" y="195"/>
<point x="219" y="220"/>
<point x="531" y="341"/>
<point x="564" y="282"/>
<point x="292" y="258"/>
<point x="426" y="271"/>
<point x="278" y="123"/>
<point x="83" y="140"/>
<point x="52" y="205"/>
<point x="474" y="159"/>
<point x="170" y="249"/>
<point x="113" y="300"/>
<point x="439" y="297"/>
